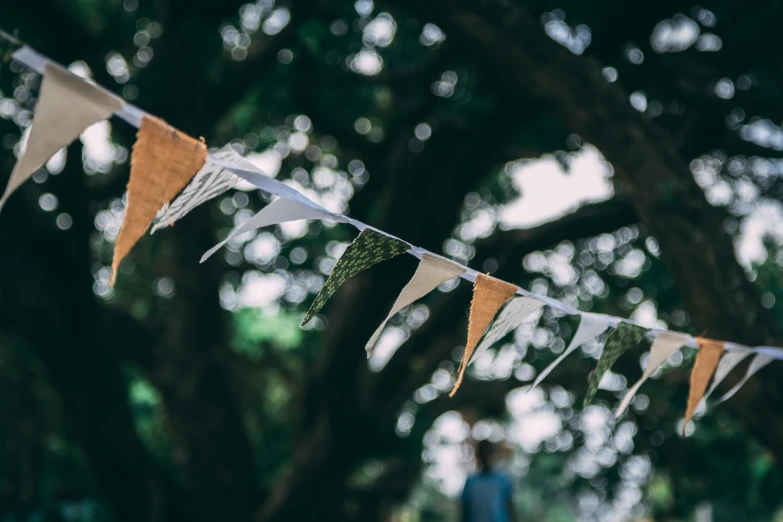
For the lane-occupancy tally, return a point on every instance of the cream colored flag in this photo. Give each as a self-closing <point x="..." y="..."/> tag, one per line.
<point x="164" y="160"/>
<point x="66" y="106"/>
<point x="758" y="362"/>
<point x="489" y="294"/>
<point x="516" y="311"/>
<point x="431" y="272"/>
<point x="706" y="361"/>
<point x="729" y="361"/>
<point x="279" y="211"/>
<point x="666" y="343"/>
<point x="590" y="325"/>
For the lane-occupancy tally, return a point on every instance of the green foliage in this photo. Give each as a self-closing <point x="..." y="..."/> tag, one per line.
<point x="254" y="329"/>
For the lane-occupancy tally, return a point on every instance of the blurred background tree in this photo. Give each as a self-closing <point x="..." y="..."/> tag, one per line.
<point x="623" y="157"/>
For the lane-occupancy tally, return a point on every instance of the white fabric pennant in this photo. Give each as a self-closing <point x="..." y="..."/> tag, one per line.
<point x="260" y="180"/>
<point x="666" y="343"/>
<point x="431" y="272"/>
<point x="67" y="105"/>
<point x="208" y="183"/>
<point x="758" y="362"/>
<point x="591" y="325"/>
<point x="279" y="211"/>
<point x="728" y="361"/>
<point x="516" y="311"/>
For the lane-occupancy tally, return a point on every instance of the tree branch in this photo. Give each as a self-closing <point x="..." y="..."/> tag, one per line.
<point x="589" y="220"/>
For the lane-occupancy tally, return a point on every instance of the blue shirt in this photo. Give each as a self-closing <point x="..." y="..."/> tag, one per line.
<point x="486" y="497"/>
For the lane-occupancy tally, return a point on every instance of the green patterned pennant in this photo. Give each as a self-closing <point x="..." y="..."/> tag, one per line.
<point x="368" y="249"/>
<point x="625" y="337"/>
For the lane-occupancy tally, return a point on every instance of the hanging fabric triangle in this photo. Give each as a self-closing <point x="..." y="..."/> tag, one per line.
<point x="728" y="361"/>
<point x="706" y="361"/>
<point x="431" y="272"/>
<point x="516" y="311"/>
<point x="590" y="326"/>
<point x="758" y="362"/>
<point x="163" y="161"/>
<point x="66" y="106"/>
<point x="665" y="344"/>
<point x="489" y="294"/>
<point x="368" y="249"/>
<point x="279" y="211"/>
<point x="625" y="337"/>
<point x="208" y="183"/>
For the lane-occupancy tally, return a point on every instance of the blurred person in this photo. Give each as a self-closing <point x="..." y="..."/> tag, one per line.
<point x="487" y="495"/>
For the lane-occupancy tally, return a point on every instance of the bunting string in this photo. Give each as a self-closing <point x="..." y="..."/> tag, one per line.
<point x="167" y="164"/>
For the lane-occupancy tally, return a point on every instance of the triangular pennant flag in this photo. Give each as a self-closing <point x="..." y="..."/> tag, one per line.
<point x="208" y="183"/>
<point x="489" y="294"/>
<point x="516" y="311"/>
<point x="729" y="361"/>
<point x="279" y="211"/>
<point x="431" y="272"/>
<point x="706" y="361"/>
<point x="666" y="343"/>
<point x="163" y="161"/>
<point x="758" y="362"/>
<point x="368" y="249"/>
<point x="66" y="106"/>
<point x="590" y="326"/>
<point x="625" y="337"/>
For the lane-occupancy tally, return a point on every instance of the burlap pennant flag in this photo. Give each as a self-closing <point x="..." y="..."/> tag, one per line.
<point x="758" y="362"/>
<point x="368" y="249"/>
<point x="707" y="359"/>
<point x="208" y="183"/>
<point x="431" y="272"/>
<point x="516" y="311"/>
<point x="666" y="343"/>
<point x="590" y="326"/>
<point x="728" y="361"/>
<point x="164" y="160"/>
<point x="66" y="106"/>
<point x="489" y="294"/>
<point x="279" y="211"/>
<point x="625" y="337"/>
